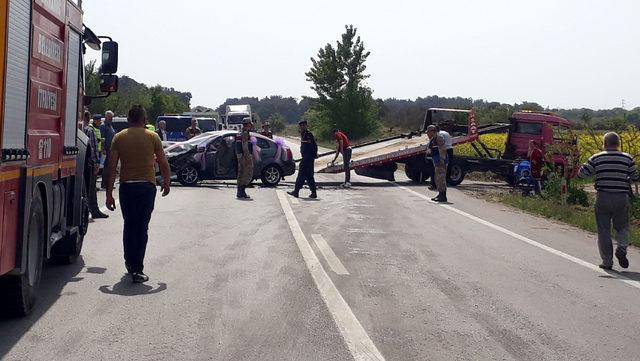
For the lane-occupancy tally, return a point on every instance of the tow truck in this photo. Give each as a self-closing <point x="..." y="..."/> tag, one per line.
<point x="380" y="158"/>
<point x="43" y="157"/>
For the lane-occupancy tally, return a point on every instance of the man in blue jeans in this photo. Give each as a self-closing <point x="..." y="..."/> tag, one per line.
<point x="137" y="149"/>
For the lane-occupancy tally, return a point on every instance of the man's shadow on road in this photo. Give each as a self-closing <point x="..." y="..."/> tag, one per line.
<point x="127" y="288"/>
<point x="634" y="276"/>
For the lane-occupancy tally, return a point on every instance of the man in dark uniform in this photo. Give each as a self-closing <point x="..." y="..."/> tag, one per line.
<point x="309" y="150"/>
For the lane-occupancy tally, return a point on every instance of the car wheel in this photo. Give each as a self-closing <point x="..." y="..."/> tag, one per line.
<point x="188" y="175"/>
<point x="271" y="175"/>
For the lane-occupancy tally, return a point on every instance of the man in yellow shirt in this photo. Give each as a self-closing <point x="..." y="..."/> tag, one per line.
<point x="137" y="149"/>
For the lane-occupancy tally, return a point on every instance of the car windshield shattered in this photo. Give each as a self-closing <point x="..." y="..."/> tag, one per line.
<point x="187" y="146"/>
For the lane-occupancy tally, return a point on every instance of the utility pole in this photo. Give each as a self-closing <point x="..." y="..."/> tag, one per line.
<point x="624" y="112"/>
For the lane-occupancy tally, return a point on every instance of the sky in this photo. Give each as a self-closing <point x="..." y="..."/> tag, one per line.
<point x="559" y="53"/>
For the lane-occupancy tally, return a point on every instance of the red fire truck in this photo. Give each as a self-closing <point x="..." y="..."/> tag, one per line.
<point x="43" y="203"/>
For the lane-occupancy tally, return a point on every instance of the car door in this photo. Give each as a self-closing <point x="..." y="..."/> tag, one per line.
<point x="210" y="154"/>
<point x="226" y="162"/>
<point x="267" y="152"/>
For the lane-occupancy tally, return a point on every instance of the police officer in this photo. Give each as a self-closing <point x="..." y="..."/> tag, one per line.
<point x="244" y="152"/>
<point x="309" y="150"/>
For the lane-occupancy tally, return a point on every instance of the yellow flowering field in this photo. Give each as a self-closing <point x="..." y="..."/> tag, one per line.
<point x="588" y="144"/>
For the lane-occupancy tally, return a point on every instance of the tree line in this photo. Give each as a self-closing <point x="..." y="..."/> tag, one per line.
<point x="158" y="100"/>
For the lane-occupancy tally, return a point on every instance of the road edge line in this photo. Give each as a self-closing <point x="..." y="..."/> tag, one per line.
<point x="358" y="341"/>
<point x="332" y="259"/>
<point x="529" y="241"/>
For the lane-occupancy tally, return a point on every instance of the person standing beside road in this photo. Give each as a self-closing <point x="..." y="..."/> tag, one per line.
<point x="448" y="144"/>
<point x="343" y="147"/>
<point x="93" y="166"/>
<point x="162" y="131"/>
<point x="137" y="149"/>
<point x="614" y="172"/>
<point x="309" y="151"/>
<point x="266" y="130"/>
<point x="107" y="132"/>
<point x="193" y="129"/>
<point x="244" y="152"/>
<point x="536" y="160"/>
<point x="438" y="152"/>
<point x="97" y="124"/>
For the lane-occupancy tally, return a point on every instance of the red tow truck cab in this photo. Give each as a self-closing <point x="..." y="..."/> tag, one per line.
<point x="43" y="202"/>
<point x="545" y="128"/>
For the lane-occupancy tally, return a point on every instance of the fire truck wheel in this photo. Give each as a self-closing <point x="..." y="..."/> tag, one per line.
<point x="67" y="251"/>
<point x="20" y="291"/>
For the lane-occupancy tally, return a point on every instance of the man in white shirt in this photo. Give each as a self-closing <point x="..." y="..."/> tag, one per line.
<point x="448" y="143"/>
<point x="162" y="131"/>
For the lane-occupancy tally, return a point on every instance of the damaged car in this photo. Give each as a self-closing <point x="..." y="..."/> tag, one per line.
<point x="211" y="156"/>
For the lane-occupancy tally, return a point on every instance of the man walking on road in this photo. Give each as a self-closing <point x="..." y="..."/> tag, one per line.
<point x="343" y="147"/>
<point x="108" y="133"/>
<point x="137" y="149"/>
<point x="244" y="152"/>
<point x="438" y="152"/>
<point x="93" y="166"/>
<point x="309" y="151"/>
<point x="614" y="172"/>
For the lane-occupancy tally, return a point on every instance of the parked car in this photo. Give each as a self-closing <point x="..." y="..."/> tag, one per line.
<point x="212" y="156"/>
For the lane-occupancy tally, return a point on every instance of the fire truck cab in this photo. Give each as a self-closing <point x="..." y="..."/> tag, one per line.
<point x="43" y="202"/>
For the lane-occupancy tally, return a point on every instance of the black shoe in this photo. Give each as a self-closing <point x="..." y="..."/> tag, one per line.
<point x="139" y="277"/>
<point x="293" y="193"/>
<point x="99" y="215"/>
<point x="621" y="255"/>
<point x="313" y="195"/>
<point x="432" y="188"/>
<point x="605" y="267"/>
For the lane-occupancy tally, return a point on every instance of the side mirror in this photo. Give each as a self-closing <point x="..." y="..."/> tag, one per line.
<point x="109" y="57"/>
<point x="108" y="83"/>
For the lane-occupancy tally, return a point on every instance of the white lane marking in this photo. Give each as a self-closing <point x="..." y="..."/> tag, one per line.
<point x="358" y="341"/>
<point x="524" y="239"/>
<point x="365" y="231"/>
<point x="334" y="262"/>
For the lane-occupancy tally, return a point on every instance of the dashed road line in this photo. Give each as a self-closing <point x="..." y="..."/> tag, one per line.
<point x="529" y="241"/>
<point x="365" y="231"/>
<point x="358" y="341"/>
<point x="334" y="262"/>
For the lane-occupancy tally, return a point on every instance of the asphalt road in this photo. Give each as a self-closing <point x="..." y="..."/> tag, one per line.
<point x="374" y="272"/>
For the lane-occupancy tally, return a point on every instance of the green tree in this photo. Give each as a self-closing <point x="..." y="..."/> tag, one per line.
<point x="157" y="100"/>
<point x="278" y="123"/>
<point x="344" y="101"/>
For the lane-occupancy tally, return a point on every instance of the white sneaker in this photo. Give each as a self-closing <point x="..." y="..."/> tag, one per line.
<point x="346" y="185"/>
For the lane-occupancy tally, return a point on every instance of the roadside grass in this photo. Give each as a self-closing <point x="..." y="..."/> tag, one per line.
<point x="579" y="216"/>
